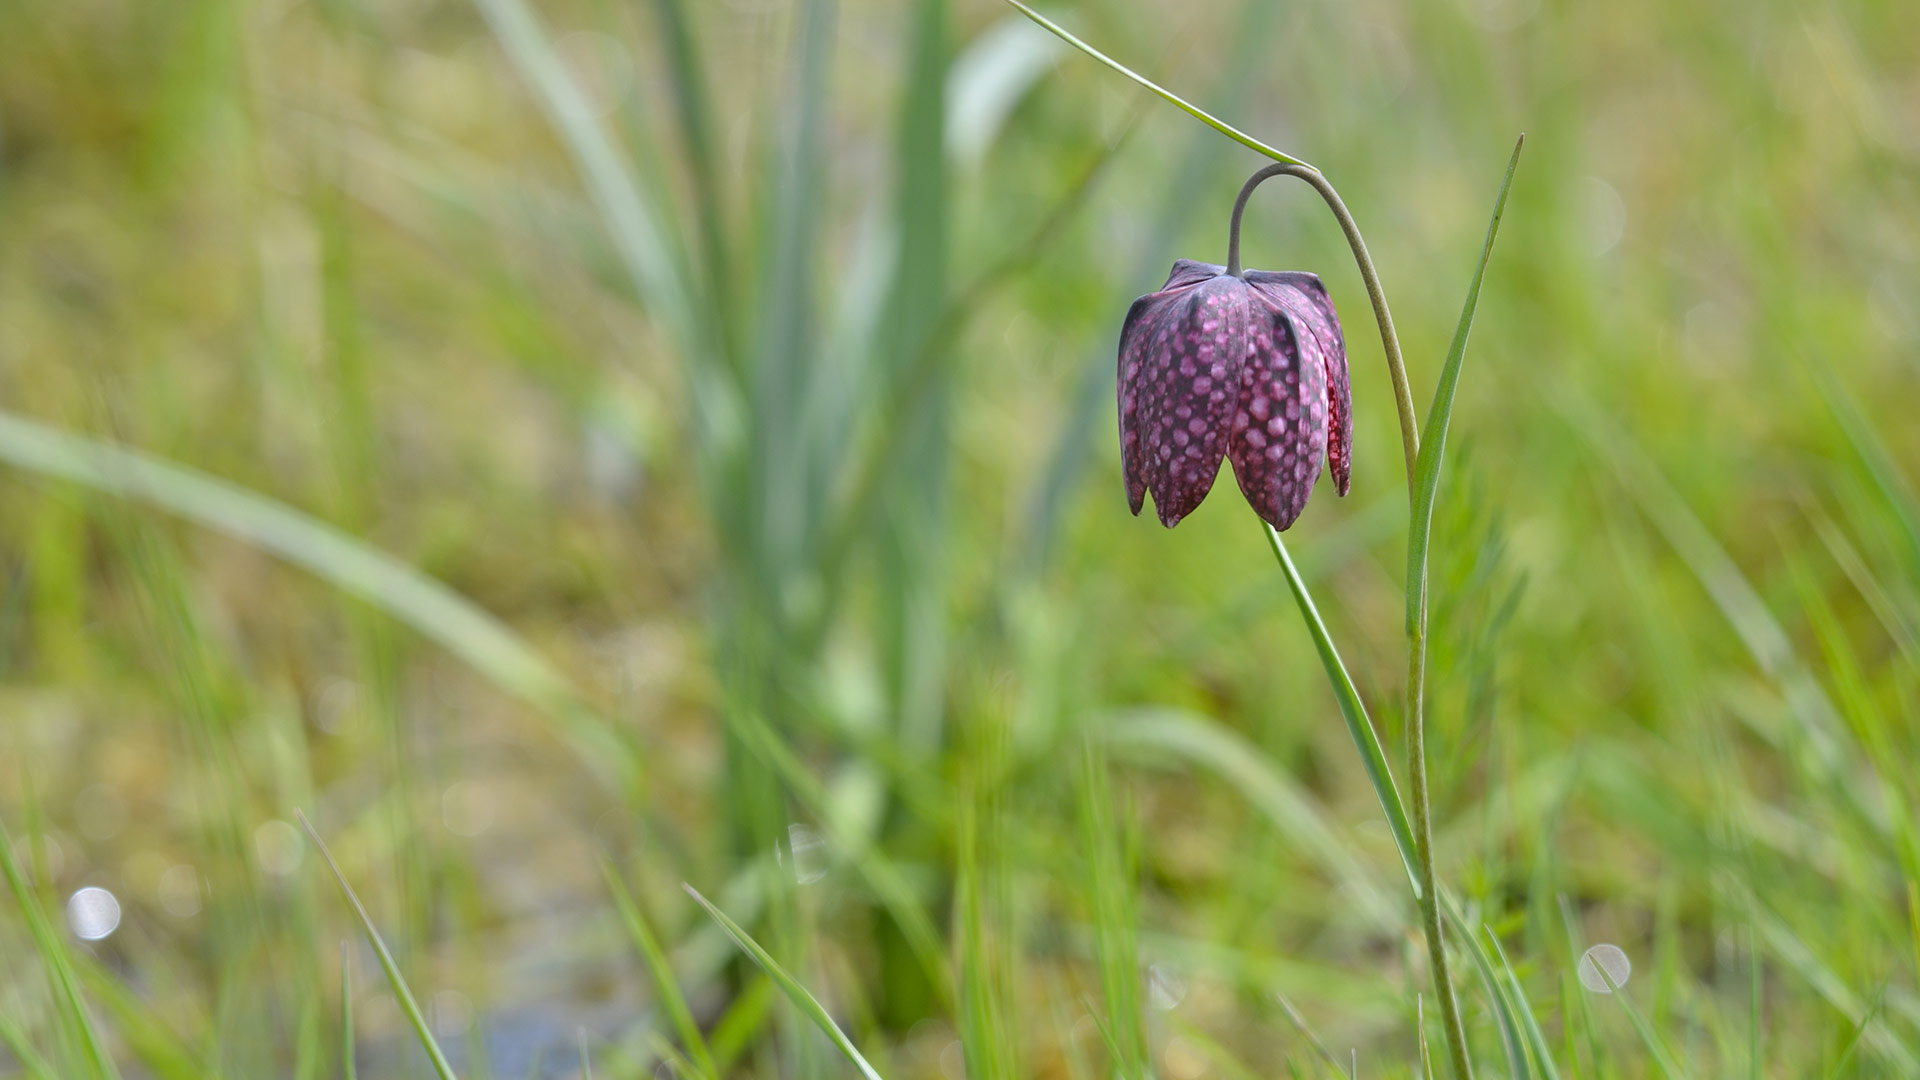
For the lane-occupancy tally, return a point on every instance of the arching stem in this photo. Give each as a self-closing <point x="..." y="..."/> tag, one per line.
<point x="1429" y="898"/>
<point x="1389" y="340"/>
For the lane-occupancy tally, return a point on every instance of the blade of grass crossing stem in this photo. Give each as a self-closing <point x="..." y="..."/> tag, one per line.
<point x="1354" y="711"/>
<point x="400" y="989"/>
<point x="1178" y="102"/>
<point x="1502" y="1008"/>
<point x="430" y="608"/>
<point x="664" y="981"/>
<point x="1536" y="1038"/>
<point x="60" y="971"/>
<point x="808" y="1005"/>
<point x="1433" y="440"/>
<point x="348" y="1069"/>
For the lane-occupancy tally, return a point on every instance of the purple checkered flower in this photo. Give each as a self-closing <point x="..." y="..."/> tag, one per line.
<point x="1250" y="367"/>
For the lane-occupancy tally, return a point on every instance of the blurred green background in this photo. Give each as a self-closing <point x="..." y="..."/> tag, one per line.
<point x="680" y="434"/>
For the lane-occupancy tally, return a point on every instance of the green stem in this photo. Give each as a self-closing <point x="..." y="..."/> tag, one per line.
<point x="1171" y="98"/>
<point x="1426" y="893"/>
<point x="1389" y="339"/>
<point x="1410" y="443"/>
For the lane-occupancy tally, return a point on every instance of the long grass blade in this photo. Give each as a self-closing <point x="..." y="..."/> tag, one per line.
<point x="665" y="983"/>
<point x="697" y="133"/>
<point x="637" y="233"/>
<point x="1656" y="1046"/>
<point x="1433" y="437"/>
<point x="401" y="991"/>
<point x="1510" y="1038"/>
<point x="808" y="1005"/>
<point x="1354" y="711"/>
<point x="60" y="970"/>
<point x="435" y="611"/>
<point x="1536" y="1038"/>
<point x="1178" y="102"/>
<point x="1300" y="1025"/>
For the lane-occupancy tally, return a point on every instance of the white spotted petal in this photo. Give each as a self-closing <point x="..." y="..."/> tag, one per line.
<point x="1217" y="367"/>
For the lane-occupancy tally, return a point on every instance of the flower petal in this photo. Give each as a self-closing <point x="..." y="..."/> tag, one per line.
<point x="1280" y="422"/>
<point x="1304" y="297"/>
<point x="1190" y="272"/>
<point x="1180" y="358"/>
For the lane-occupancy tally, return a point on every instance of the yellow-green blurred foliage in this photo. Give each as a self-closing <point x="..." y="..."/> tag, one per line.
<point x="771" y="404"/>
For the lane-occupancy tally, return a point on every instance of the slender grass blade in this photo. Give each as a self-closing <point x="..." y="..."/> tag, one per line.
<point x="401" y="991"/>
<point x="432" y="609"/>
<point x="60" y="970"/>
<point x="1182" y="104"/>
<point x="665" y="983"/>
<point x="1536" y="1038"/>
<point x="1433" y="439"/>
<point x="808" y="1005"/>
<point x="1510" y="1039"/>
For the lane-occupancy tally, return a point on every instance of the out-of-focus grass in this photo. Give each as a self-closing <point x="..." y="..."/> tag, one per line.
<point x="699" y="345"/>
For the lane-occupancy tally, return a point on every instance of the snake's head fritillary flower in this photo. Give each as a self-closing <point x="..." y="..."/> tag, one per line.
<point x="1249" y="367"/>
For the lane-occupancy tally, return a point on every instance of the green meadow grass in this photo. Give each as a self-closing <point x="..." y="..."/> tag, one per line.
<point x="565" y="449"/>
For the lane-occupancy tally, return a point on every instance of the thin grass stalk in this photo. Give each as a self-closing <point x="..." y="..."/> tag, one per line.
<point x="401" y="991"/>
<point x="60" y="972"/>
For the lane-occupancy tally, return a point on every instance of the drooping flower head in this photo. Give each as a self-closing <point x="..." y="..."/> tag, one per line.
<point x="1246" y="366"/>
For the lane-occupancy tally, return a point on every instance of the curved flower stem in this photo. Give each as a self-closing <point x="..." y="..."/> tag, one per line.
<point x="1410" y="442"/>
<point x="1389" y="339"/>
<point x="1428" y="893"/>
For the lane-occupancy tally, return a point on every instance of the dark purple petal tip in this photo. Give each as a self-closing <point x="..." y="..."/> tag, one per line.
<point x="1251" y="369"/>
